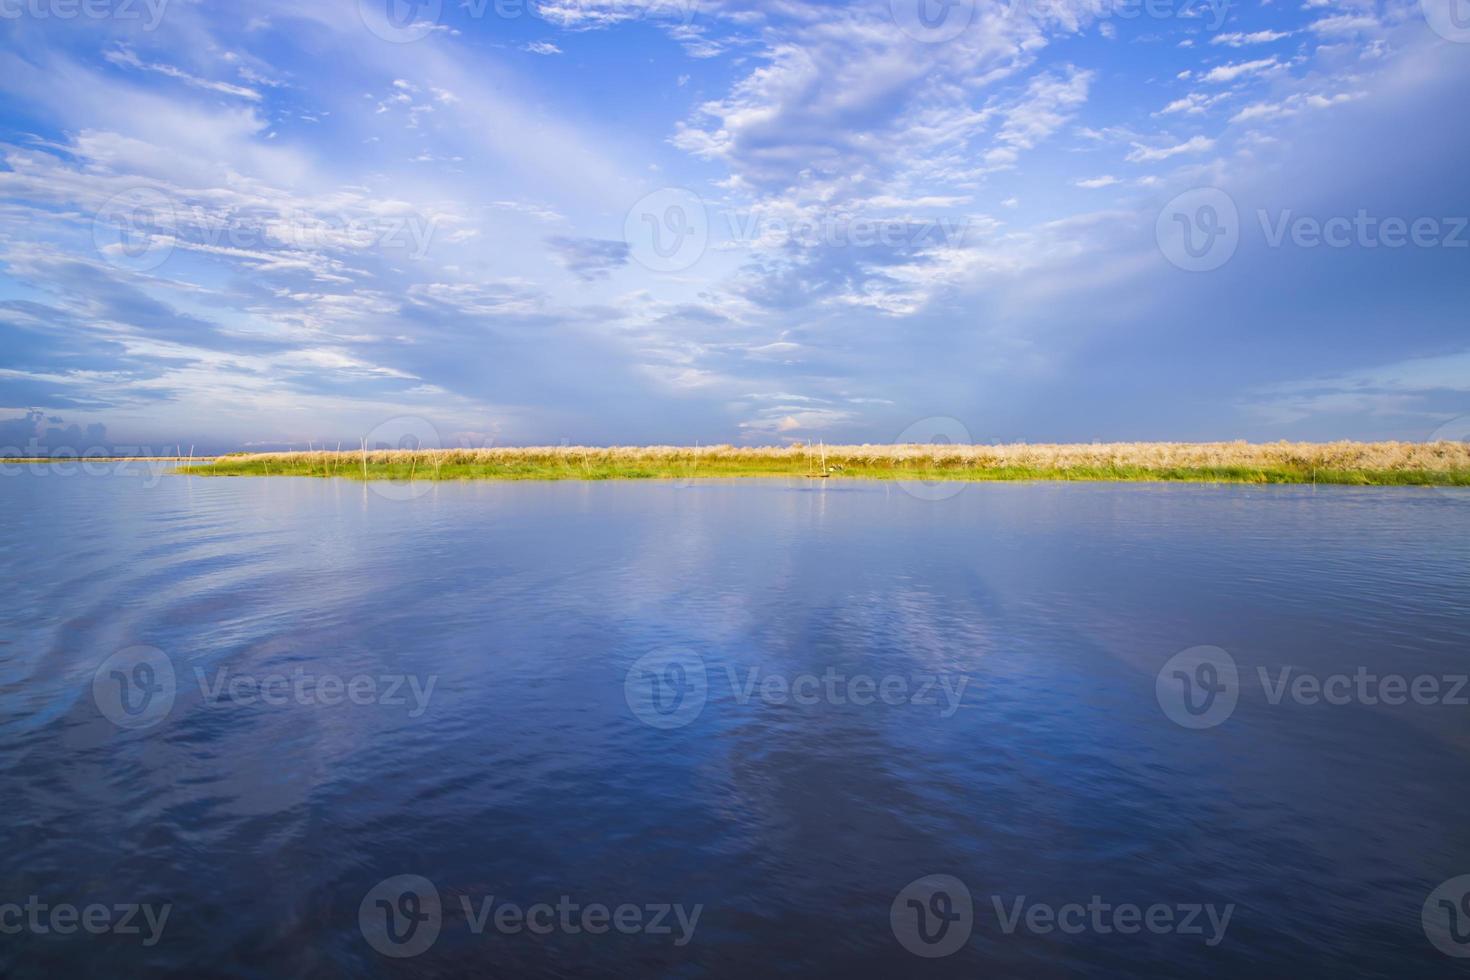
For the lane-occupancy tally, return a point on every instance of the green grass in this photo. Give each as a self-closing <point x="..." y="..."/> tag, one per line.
<point x="628" y="465"/>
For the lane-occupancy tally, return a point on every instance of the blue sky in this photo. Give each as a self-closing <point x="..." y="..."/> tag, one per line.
<point x="617" y="221"/>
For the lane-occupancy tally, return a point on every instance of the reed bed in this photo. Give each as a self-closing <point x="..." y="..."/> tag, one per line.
<point x="1362" y="463"/>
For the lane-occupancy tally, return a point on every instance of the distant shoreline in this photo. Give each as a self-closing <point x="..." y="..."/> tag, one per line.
<point x="1345" y="463"/>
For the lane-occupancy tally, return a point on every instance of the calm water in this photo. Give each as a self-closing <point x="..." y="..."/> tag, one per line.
<point x="771" y="705"/>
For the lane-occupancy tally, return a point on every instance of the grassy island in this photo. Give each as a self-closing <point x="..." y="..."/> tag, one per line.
<point x="1358" y="463"/>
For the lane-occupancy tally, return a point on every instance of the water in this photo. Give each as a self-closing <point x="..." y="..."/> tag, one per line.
<point x="515" y="763"/>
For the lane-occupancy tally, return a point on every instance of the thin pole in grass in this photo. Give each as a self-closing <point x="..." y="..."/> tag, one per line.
<point x="364" y="457"/>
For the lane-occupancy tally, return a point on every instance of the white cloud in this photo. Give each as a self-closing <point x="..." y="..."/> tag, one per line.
<point x="1146" y="154"/>
<point x="1345" y="24"/>
<point x="1238" y="40"/>
<point x="1229" y="73"/>
<point x="1292" y="105"/>
<point x="1194" y="104"/>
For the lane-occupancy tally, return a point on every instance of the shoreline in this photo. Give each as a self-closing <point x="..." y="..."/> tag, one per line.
<point x="1350" y="464"/>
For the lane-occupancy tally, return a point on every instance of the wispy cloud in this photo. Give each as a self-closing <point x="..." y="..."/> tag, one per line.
<point x="1149" y="154"/>
<point x="1229" y="73"/>
<point x="124" y="58"/>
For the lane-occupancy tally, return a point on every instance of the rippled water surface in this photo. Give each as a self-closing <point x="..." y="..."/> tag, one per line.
<point x="651" y="694"/>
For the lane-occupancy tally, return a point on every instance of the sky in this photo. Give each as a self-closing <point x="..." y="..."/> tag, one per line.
<point x="506" y="222"/>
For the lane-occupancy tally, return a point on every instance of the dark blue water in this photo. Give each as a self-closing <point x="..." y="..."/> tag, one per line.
<point x="735" y="701"/>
